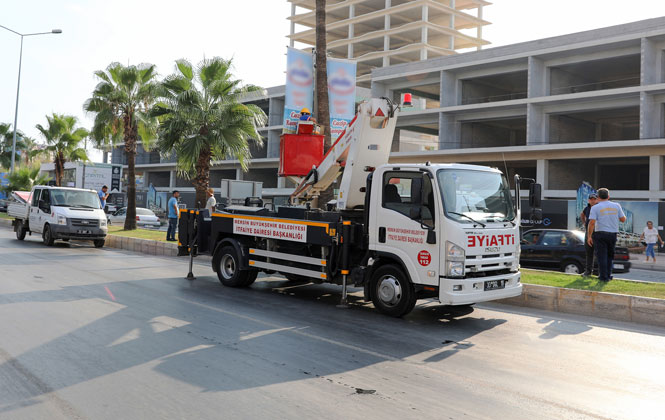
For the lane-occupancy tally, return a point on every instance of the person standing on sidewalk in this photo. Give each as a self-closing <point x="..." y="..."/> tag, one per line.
<point x="604" y="220"/>
<point x="173" y="213"/>
<point x="588" y="266"/>
<point x="650" y="236"/>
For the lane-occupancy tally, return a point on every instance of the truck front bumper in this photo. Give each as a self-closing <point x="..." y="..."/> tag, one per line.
<point x="73" y="232"/>
<point x="472" y="290"/>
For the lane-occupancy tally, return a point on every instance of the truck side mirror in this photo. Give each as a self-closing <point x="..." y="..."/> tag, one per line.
<point x="43" y="206"/>
<point x="535" y="201"/>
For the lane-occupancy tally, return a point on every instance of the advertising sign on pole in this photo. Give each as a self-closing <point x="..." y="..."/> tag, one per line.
<point x="4" y="181"/>
<point x="341" y="94"/>
<point x="96" y="175"/>
<point x="299" y="87"/>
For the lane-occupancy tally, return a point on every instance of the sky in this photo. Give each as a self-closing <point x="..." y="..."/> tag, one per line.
<point x="57" y="70"/>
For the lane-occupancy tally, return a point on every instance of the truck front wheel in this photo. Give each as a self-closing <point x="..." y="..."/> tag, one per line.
<point x="20" y="231"/>
<point x="47" y="236"/>
<point x="392" y="292"/>
<point x="229" y="272"/>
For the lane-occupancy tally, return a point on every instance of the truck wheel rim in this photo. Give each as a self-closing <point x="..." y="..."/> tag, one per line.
<point x="571" y="269"/>
<point x="390" y="292"/>
<point x="227" y="266"/>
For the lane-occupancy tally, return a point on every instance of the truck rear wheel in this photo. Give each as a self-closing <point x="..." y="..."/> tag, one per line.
<point x="229" y="272"/>
<point x="392" y="292"/>
<point x="20" y="231"/>
<point x="47" y="236"/>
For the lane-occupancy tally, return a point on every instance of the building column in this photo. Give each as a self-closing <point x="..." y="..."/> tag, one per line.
<point x="239" y="174"/>
<point x="386" y="38"/>
<point x="351" y="33"/>
<point x="479" y="30"/>
<point x="536" y="78"/>
<point x="542" y="173"/>
<point x="451" y="44"/>
<point x="293" y="24"/>
<point x="172" y="177"/>
<point x="448" y="93"/>
<point x="651" y="60"/>
<point x="449" y="135"/>
<point x="537" y="125"/>
<point x="651" y="124"/>
<point x="655" y="177"/>
<point x="423" y="32"/>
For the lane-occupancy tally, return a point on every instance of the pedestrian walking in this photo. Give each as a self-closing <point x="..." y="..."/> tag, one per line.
<point x="604" y="219"/>
<point x="173" y="214"/>
<point x="588" y="248"/>
<point x="211" y="203"/>
<point x="651" y="237"/>
<point x="103" y="196"/>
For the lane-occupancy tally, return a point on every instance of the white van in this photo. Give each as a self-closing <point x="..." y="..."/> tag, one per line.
<point x="60" y="213"/>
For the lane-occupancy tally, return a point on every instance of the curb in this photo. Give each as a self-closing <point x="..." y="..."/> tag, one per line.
<point x="613" y="306"/>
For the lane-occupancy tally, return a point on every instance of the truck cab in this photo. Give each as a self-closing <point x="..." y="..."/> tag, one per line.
<point x="452" y="227"/>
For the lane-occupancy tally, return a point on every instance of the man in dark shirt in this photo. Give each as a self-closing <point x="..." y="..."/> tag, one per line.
<point x="588" y="269"/>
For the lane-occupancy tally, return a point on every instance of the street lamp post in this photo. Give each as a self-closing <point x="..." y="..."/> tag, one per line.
<point x="18" y="86"/>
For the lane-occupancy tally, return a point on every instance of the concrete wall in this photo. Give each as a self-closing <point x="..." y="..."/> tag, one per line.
<point x="569" y="174"/>
<point x="481" y="134"/>
<point x="566" y="129"/>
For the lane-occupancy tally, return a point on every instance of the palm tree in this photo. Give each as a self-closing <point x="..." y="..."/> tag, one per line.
<point x="202" y="119"/>
<point x="6" y="134"/>
<point x="63" y="140"/>
<point x="32" y="151"/>
<point x="121" y="102"/>
<point x="322" y="107"/>
<point x="24" y="178"/>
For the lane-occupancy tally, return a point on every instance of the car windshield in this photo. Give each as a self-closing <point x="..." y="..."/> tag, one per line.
<point x="73" y="198"/>
<point x="144" y="212"/>
<point x="479" y="195"/>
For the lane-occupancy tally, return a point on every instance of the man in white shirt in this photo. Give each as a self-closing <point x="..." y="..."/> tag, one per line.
<point x="211" y="203"/>
<point x="650" y="236"/>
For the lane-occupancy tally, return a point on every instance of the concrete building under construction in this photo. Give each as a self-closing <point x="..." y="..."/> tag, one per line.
<point x="380" y="33"/>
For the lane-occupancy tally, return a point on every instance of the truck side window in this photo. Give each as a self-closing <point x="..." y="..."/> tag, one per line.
<point x="397" y="195"/>
<point x="46" y="197"/>
<point x="35" y="197"/>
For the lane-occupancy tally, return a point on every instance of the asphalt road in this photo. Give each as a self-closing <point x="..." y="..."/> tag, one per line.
<point x="642" y="275"/>
<point x="102" y="334"/>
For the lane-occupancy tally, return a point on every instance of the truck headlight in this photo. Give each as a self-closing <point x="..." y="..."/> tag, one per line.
<point x="102" y="223"/>
<point x="455" y="269"/>
<point x="62" y="220"/>
<point x="455" y="256"/>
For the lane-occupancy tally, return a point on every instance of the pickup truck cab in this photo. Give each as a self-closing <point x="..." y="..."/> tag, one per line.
<point x="59" y="213"/>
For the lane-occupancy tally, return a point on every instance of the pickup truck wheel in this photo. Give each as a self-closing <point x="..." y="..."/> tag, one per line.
<point x="98" y="243"/>
<point x="392" y="292"/>
<point x="571" y="267"/>
<point x="229" y="272"/>
<point x="20" y="231"/>
<point x="47" y="236"/>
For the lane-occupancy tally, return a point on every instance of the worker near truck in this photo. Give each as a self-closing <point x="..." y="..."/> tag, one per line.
<point x="588" y="267"/>
<point x="103" y="196"/>
<point x="173" y="214"/>
<point x="604" y="220"/>
<point x="211" y="203"/>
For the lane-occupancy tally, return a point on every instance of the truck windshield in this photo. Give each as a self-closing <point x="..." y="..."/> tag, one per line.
<point x="475" y="195"/>
<point x="73" y="198"/>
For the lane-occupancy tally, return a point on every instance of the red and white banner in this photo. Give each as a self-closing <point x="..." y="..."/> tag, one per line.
<point x="270" y="229"/>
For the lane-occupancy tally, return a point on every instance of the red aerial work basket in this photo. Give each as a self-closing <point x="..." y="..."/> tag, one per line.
<point x="298" y="153"/>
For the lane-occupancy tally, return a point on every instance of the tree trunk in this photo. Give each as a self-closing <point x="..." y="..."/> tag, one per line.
<point x="202" y="180"/>
<point x="131" y="136"/>
<point x="322" y="105"/>
<point x="59" y="162"/>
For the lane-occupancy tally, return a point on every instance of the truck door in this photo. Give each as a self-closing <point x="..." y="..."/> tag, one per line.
<point x="397" y="233"/>
<point x="34" y="217"/>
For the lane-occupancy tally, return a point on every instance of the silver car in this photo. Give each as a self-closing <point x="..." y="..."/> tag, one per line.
<point x="144" y="217"/>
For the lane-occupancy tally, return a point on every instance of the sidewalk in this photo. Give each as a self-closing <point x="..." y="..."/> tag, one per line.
<point x="639" y="261"/>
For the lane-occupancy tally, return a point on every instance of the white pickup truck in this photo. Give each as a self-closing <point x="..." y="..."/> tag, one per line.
<point x="60" y="213"/>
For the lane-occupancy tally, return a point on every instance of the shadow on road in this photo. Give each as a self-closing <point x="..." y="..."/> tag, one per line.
<point x="222" y="339"/>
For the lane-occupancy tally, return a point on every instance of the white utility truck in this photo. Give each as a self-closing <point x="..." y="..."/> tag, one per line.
<point x="401" y="231"/>
<point x="59" y="213"/>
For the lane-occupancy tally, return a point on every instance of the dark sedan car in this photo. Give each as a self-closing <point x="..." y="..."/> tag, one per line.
<point x="563" y="250"/>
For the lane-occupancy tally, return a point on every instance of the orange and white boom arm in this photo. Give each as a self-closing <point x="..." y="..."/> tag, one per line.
<point x="364" y="145"/>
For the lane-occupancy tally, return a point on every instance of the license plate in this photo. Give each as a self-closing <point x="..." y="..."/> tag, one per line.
<point x="618" y="266"/>
<point x="83" y="232"/>
<point x="495" y="284"/>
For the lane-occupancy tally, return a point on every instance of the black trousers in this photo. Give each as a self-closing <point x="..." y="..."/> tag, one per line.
<point x="588" y="266"/>
<point x="604" y="242"/>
